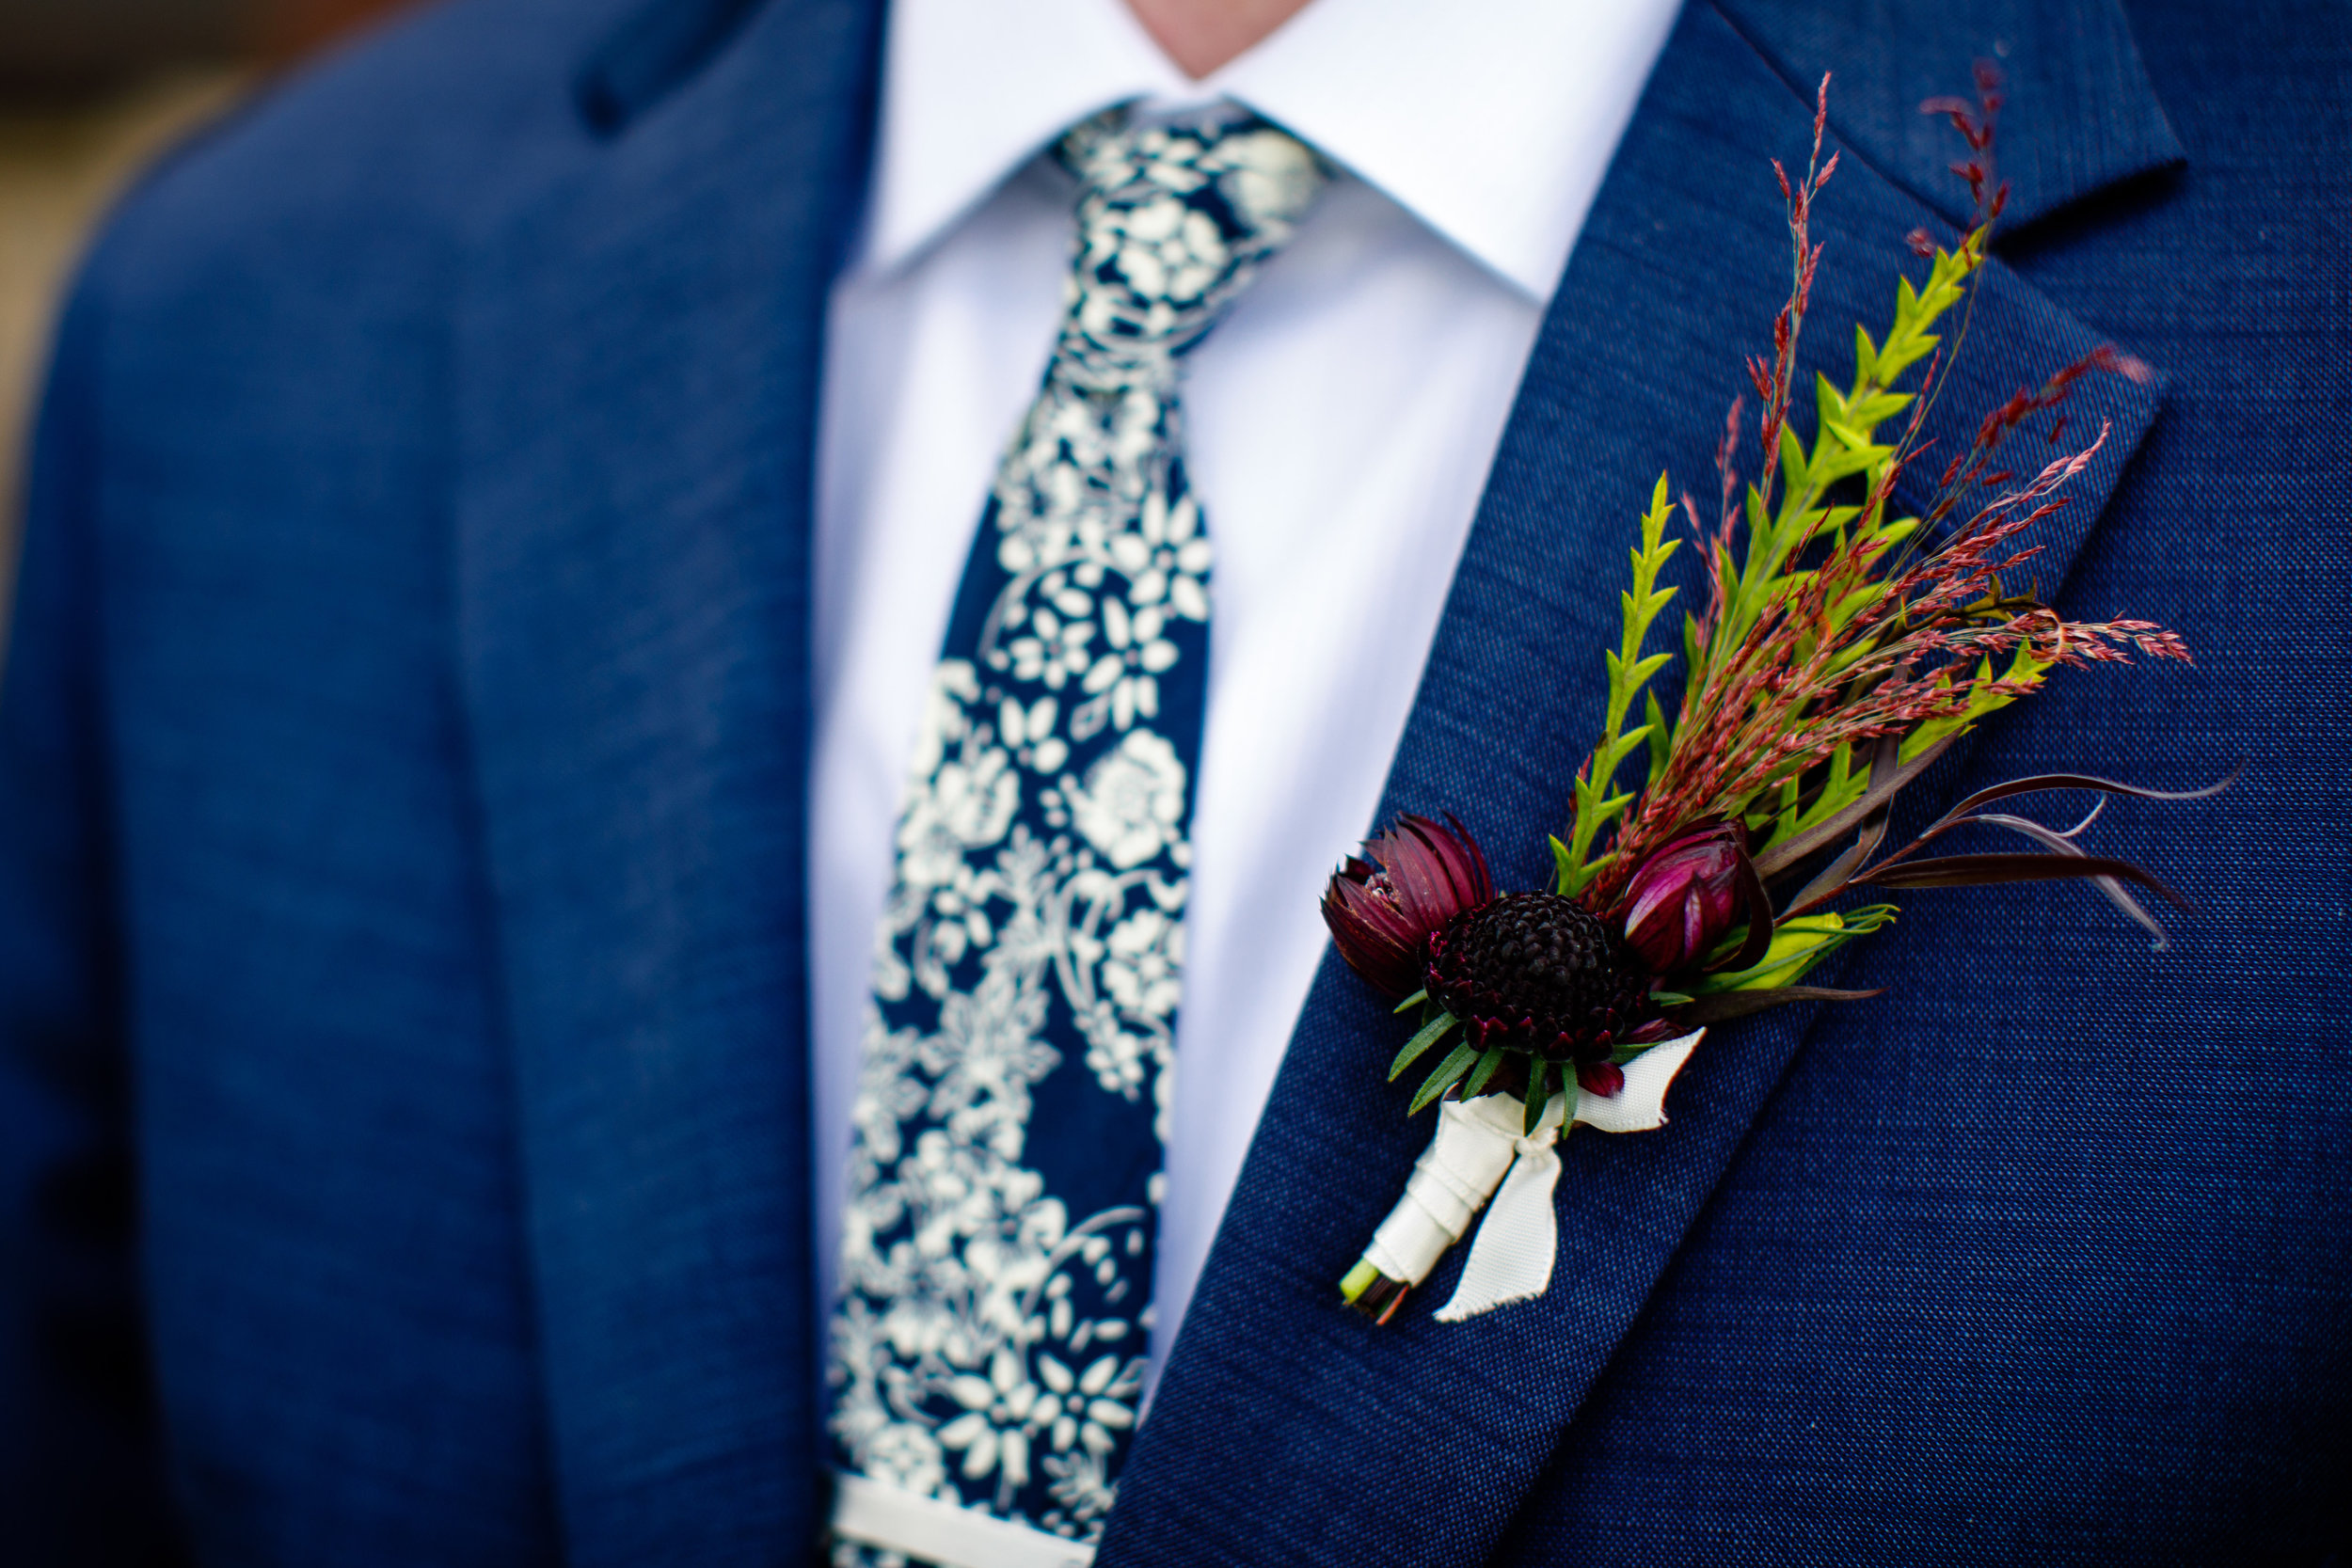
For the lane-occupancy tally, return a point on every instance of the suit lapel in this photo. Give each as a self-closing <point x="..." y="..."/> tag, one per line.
<point x="2079" y="112"/>
<point x="637" y="367"/>
<point x="1285" y="1429"/>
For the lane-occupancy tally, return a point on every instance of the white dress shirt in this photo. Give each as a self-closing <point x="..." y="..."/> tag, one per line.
<point x="1339" y="425"/>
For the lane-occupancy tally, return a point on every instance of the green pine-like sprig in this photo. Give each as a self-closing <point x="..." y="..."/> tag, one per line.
<point x="1598" y="803"/>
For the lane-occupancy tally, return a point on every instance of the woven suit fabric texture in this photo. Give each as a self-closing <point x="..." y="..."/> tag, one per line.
<point x="989" y="1348"/>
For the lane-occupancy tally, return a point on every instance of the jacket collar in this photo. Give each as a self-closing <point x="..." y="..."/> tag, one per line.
<point x="1359" y="1437"/>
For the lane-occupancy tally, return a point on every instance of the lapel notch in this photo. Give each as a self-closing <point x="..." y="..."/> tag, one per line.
<point x="2080" y="113"/>
<point x="1287" y="1429"/>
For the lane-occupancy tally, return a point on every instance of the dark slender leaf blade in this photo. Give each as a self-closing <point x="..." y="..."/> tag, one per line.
<point x="1431" y="1032"/>
<point x="1725" y="1004"/>
<point x="1784" y="856"/>
<point x="2050" y="838"/>
<point x="1444" y="1079"/>
<point x="1538" y="1075"/>
<point x="1411" y="1002"/>
<point x="1837" y="873"/>
<point x="1985" y="870"/>
<point x="2040" y="782"/>
<point x="1885" y="760"/>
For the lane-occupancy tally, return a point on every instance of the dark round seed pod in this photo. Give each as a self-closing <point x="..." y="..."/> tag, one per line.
<point x="1538" y="973"/>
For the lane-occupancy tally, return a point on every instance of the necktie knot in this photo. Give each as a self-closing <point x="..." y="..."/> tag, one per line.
<point x="1173" y="220"/>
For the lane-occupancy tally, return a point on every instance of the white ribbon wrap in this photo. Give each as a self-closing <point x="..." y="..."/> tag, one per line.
<point x="1512" y="1259"/>
<point x="1479" y="1147"/>
<point x="1477" y="1141"/>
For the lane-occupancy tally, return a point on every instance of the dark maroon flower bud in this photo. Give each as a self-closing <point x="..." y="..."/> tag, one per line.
<point x="1382" y="914"/>
<point x="1683" y="898"/>
<point x="1605" y="1079"/>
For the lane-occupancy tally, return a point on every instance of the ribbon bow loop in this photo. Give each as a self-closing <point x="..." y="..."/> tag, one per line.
<point x="1482" y="1153"/>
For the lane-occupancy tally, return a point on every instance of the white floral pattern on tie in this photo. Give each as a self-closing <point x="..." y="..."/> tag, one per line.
<point x="989" y="1348"/>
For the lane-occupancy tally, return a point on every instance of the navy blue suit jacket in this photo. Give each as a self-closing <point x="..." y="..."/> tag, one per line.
<point x="404" y="1130"/>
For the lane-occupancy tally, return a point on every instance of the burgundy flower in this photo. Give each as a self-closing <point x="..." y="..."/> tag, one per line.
<point x="1681" y="900"/>
<point x="1383" y="914"/>
<point x="1538" y="973"/>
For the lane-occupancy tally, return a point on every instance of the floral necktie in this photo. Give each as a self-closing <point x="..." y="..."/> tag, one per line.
<point x="988" y="1350"/>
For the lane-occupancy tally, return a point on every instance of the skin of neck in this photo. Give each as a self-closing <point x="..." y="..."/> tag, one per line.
<point x="1202" y="35"/>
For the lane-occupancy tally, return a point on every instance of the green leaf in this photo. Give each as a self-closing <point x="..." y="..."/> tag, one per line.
<point x="1897" y="357"/>
<point x="1848" y="460"/>
<point x="1485" y="1070"/>
<point x="1788" y="807"/>
<point x="1626" y="745"/>
<point x="1835" y="520"/>
<point x="1797" y="945"/>
<point x="1428" y="1035"/>
<point x="1868" y="413"/>
<point x="1925" y="737"/>
<point x="1792" y="460"/>
<point x="1538" y="1075"/>
<point x="1848" y="436"/>
<point x="1660" y="742"/>
<point x="1597" y="803"/>
<point x="1444" y="1079"/>
<point x="1568" y="876"/>
<point x="1409" y="1004"/>
<point x="1829" y="404"/>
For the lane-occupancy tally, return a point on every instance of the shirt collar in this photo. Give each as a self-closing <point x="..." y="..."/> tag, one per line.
<point x="1492" y="121"/>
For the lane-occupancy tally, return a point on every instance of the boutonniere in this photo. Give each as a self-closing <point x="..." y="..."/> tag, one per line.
<point x="1711" y="849"/>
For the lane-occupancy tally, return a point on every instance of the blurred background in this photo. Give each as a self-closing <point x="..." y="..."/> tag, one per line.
<point x="89" y="91"/>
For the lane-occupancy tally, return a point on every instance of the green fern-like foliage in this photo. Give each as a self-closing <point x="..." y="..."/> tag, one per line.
<point x="1597" y="801"/>
<point x="1845" y="447"/>
<point x="1828" y="497"/>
